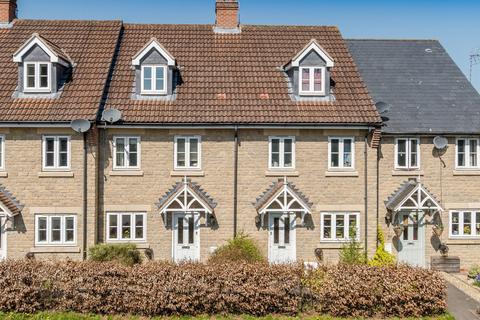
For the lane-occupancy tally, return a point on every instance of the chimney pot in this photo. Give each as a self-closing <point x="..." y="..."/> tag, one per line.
<point x="8" y="11"/>
<point x="227" y="14"/>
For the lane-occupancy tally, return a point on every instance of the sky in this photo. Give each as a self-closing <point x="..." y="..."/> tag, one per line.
<point x="456" y="24"/>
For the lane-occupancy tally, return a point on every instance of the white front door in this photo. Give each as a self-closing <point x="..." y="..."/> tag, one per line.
<point x="186" y="237"/>
<point x="281" y="239"/>
<point x="411" y="249"/>
<point x="3" y="238"/>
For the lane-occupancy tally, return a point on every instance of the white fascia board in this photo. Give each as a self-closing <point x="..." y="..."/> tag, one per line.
<point x="318" y="49"/>
<point x="157" y="46"/>
<point x="34" y="40"/>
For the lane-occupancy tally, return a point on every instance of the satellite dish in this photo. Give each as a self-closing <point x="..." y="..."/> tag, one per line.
<point x="440" y="142"/>
<point x="80" y="125"/>
<point x="382" y="107"/>
<point x="111" y="115"/>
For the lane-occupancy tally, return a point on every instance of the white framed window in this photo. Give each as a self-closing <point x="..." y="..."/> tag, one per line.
<point x="281" y="152"/>
<point x="55" y="230"/>
<point x="154" y="79"/>
<point x="2" y="152"/>
<point x="466" y="155"/>
<point x="36" y="76"/>
<point x="407" y="153"/>
<point x="312" y="80"/>
<point x="126" y="153"/>
<point x="341" y="153"/>
<point x="340" y="226"/>
<point x="126" y="226"/>
<point x="56" y="152"/>
<point x="187" y="153"/>
<point x="464" y="223"/>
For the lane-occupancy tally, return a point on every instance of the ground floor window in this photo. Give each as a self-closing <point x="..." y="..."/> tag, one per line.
<point x="340" y="226"/>
<point x="126" y="226"/>
<point x="465" y="223"/>
<point x="55" y="229"/>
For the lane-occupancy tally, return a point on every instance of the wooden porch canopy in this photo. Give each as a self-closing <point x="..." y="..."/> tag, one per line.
<point x="412" y="195"/>
<point x="8" y="203"/>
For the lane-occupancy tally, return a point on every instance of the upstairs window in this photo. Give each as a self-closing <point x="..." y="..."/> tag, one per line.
<point x="37" y="76"/>
<point x="282" y="153"/>
<point x="467" y="153"/>
<point x="187" y="152"/>
<point x="56" y="152"/>
<point x="126" y="152"/>
<point x="154" y="79"/>
<point x="407" y="153"/>
<point x="312" y="81"/>
<point x="341" y="153"/>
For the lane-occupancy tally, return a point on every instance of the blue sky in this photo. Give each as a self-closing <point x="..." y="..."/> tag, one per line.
<point x="455" y="23"/>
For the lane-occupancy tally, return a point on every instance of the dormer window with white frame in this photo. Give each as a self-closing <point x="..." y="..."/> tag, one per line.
<point x="37" y="77"/>
<point x="312" y="81"/>
<point x="154" y="67"/>
<point x="154" y="79"/>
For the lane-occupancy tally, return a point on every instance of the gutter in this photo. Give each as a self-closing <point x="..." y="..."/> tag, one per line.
<point x="35" y="124"/>
<point x="236" y="126"/>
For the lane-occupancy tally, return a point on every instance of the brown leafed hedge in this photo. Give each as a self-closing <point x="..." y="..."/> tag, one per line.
<point x="150" y="289"/>
<point x="365" y="291"/>
<point x="155" y="289"/>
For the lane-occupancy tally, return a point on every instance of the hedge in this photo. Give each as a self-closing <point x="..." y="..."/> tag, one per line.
<point x="161" y="288"/>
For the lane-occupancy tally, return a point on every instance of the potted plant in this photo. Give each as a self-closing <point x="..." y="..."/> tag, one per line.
<point x="398" y="229"/>
<point x="438" y="230"/>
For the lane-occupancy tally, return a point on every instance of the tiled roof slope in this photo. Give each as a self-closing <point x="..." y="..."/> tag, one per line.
<point x="91" y="46"/>
<point x="425" y="89"/>
<point x="237" y="79"/>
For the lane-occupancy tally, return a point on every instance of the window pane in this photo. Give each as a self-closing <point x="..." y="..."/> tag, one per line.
<point x="413" y="152"/>
<point x="191" y="230"/>
<point x="473" y="153"/>
<point x="455" y="223"/>
<point x="305" y="79"/>
<point x="327" y="225"/>
<point x="42" y="229"/>
<point x="44" y="76"/>
<point x="120" y="152"/>
<point x="288" y="160"/>
<point x="317" y="79"/>
<point x="63" y="144"/>
<point x="139" y="226"/>
<point x="147" y="78"/>
<point x="113" y="228"/>
<point x="340" y="226"/>
<point x="56" y="229"/>
<point x="180" y="230"/>
<point x="160" y="78"/>
<point x="402" y="153"/>
<point x="467" y="223"/>
<point x="30" y="75"/>
<point x="69" y="229"/>
<point x="63" y="152"/>
<point x="286" y="230"/>
<point x="275" y="156"/>
<point x="133" y="152"/>
<point x="193" y="152"/>
<point x="477" y="224"/>
<point x="334" y="153"/>
<point x="276" y="230"/>
<point x="181" y="152"/>
<point x="352" y="223"/>
<point x="347" y="153"/>
<point x="461" y="153"/>
<point x="288" y="153"/>
<point x="126" y="226"/>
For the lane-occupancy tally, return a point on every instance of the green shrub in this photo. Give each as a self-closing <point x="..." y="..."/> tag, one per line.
<point x="126" y="254"/>
<point x="352" y="253"/>
<point x="381" y="257"/>
<point x="240" y="248"/>
<point x="474" y="271"/>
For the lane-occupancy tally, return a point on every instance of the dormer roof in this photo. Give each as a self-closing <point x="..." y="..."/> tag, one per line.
<point x="56" y="53"/>
<point x="312" y="46"/>
<point x="153" y="44"/>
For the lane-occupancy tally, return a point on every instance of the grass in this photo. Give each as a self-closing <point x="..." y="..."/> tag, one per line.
<point x="76" y="316"/>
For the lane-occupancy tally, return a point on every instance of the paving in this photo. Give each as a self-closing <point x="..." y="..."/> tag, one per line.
<point x="463" y="301"/>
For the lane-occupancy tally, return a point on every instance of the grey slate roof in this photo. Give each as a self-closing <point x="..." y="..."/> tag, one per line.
<point x="267" y="195"/>
<point x="194" y="187"/>
<point x="425" y="89"/>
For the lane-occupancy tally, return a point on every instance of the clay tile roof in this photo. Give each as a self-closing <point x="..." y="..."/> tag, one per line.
<point x="10" y="202"/>
<point x="90" y="44"/>
<point x="241" y="67"/>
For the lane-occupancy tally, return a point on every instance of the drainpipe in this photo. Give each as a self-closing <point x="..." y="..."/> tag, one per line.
<point x="85" y="203"/>
<point x="378" y="189"/>
<point x="365" y="155"/>
<point x="235" y="184"/>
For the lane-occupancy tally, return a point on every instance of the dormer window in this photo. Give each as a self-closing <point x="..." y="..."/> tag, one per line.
<point x="37" y="77"/>
<point x="153" y="79"/>
<point x="309" y="72"/>
<point x="312" y="81"/>
<point x="154" y="70"/>
<point x="43" y="66"/>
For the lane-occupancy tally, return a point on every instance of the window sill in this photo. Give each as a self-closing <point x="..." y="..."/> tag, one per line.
<point x="466" y="172"/>
<point x="341" y="173"/>
<point x="3" y="174"/>
<point x="126" y="173"/>
<point x="55" y="249"/>
<point x="407" y="173"/>
<point x="463" y="240"/>
<point x="333" y="244"/>
<point x="281" y="173"/>
<point x="188" y="173"/>
<point x="55" y="174"/>
<point x="140" y="244"/>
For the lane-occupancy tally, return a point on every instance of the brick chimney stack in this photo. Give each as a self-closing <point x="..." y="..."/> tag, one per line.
<point x="227" y="14"/>
<point x="8" y="11"/>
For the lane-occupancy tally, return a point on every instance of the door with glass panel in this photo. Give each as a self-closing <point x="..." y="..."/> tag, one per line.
<point x="3" y="238"/>
<point x="282" y="247"/>
<point x="411" y="248"/>
<point x="186" y="237"/>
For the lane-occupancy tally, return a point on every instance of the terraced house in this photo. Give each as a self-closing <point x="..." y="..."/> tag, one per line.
<point x="179" y="137"/>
